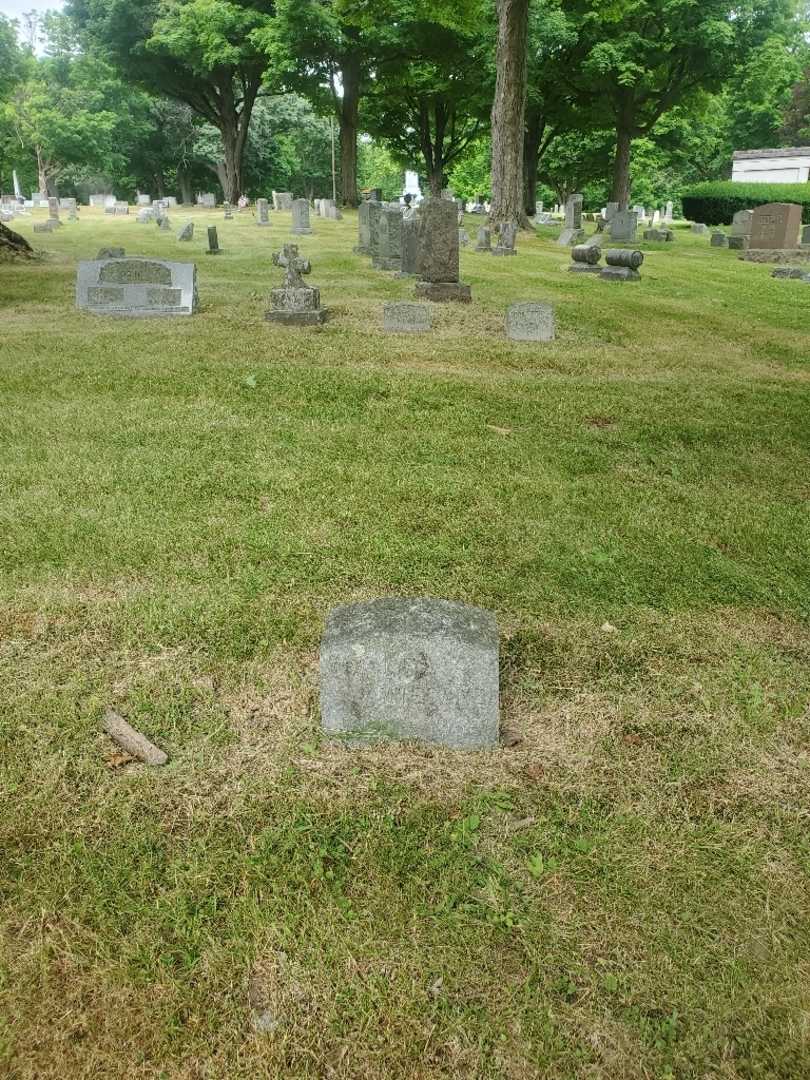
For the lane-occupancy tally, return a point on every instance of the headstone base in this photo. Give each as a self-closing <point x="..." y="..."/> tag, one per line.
<point x="776" y="255"/>
<point x="300" y="232"/>
<point x="582" y="268"/>
<point x="441" y="291"/>
<point x="620" y="273"/>
<point x="498" y="250"/>
<point x="298" y="318"/>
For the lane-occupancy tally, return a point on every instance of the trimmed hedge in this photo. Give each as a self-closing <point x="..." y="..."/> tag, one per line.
<point x="716" y="202"/>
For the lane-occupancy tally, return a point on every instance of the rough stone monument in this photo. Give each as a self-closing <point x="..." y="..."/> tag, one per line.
<point x="572" y="232"/>
<point x="282" y="200"/>
<point x="187" y="232"/>
<point x="300" y="218"/>
<point x="262" y="212"/>
<point x="409" y="264"/>
<point x="529" y="321"/>
<point x="438" y="253"/>
<point x="137" y="287"/>
<point x="658" y="236"/>
<point x="699" y="229"/>
<point x="507" y="234"/>
<point x="411" y="669"/>
<point x="484" y="240"/>
<point x="775" y="227"/>
<point x="406" y="317"/>
<point x="585" y="259"/>
<point x="718" y="239"/>
<point x="294" y="303"/>
<point x="389" y="239"/>
<point x="53" y="211"/>
<point x="622" y="264"/>
<point x="213" y="241"/>
<point x="741" y="223"/>
<point x="363" y="230"/>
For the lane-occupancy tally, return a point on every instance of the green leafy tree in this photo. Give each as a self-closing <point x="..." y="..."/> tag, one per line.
<point x="200" y="52"/>
<point x="795" y="129"/>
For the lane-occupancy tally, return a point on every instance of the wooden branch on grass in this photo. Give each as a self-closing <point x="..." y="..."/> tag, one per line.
<point x="131" y="740"/>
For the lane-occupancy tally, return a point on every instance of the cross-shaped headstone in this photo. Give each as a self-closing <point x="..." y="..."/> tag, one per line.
<point x="289" y="259"/>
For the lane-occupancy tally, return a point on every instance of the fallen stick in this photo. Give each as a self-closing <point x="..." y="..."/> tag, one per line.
<point x="131" y="740"/>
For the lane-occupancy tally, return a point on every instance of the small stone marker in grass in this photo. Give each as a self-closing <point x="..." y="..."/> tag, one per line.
<point x="805" y="237"/>
<point x="411" y="669"/>
<point x="406" y="317"/>
<point x="295" y="304"/>
<point x="622" y="265"/>
<point x="699" y="229"/>
<point x="738" y="243"/>
<point x="110" y="253"/>
<point x="719" y="239"/>
<point x="262" y="212"/>
<point x="741" y="223"/>
<point x="484" y="240"/>
<point x="529" y="321"/>
<point x="658" y="236"/>
<point x="136" y="287"/>
<point x="187" y="232"/>
<point x="300" y="218"/>
<point x="585" y="259"/>
<point x="213" y="241"/>
<point x="507" y="235"/>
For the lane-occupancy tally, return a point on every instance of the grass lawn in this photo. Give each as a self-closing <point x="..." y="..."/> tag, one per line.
<point x="625" y="892"/>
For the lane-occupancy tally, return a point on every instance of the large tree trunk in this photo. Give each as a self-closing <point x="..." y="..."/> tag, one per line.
<point x="12" y="242"/>
<point x="532" y="138"/>
<point x="348" y="119"/>
<point x="234" y="122"/>
<point x="508" y="110"/>
<point x="620" y="191"/>
<point x="184" y="180"/>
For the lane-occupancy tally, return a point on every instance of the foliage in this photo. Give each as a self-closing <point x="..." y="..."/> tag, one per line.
<point x="716" y="203"/>
<point x="795" y="129"/>
<point x="376" y="168"/>
<point x="470" y="176"/>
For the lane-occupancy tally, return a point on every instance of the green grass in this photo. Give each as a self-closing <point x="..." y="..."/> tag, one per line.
<point x="625" y="893"/>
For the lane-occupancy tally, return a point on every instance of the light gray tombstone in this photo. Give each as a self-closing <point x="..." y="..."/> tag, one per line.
<point x="624" y="225"/>
<point x="120" y="208"/>
<point x="163" y="223"/>
<point x="668" y="213"/>
<point x="144" y="200"/>
<point x="611" y="210"/>
<point x="409" y="264"/>
<point x="228" y="215"/>
<point x="406" y="317"/>
<point x="411" y="669"/>
<point x="572" y="231"/>
<point x="622" y="265"/>
<point x="36" y="197"/>
<point x="262" y="212"/>
<point x="300" y="218"/>
<point x="71" y="205"/>
<point x="282" y="200"/>
<point x="699" y="229"/>
<point x="389" y="239"/>
<point x="484" y="241"/>
<point x="804" y="240"/>
<point x="741" y="223"/>
<point x="207" y="200"/>
<point x="438" y="253"/>
<point x="137" y="286"/>
<point x="171" y="201"/>
<point x="145" y="216"/>
<point x="294" y="303"/>
<point x="719" y="239"/>
<point x="363" y="230"/>
<point x="658" y="236"/>
<point x="96" y="201"/>
<point x="506" y="237"/>
<point x="656" y="219"/>
<point x="46" y="226"/>
<point x="585" y="259"/>
<point x="53" y="211"/>
<point x="463" y="238"/>
<point x="187" y="232"/>
<point x="530" y="321"/>
<point x="375" y="210"/>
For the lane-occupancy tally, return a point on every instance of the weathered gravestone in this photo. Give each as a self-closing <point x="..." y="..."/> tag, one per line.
<point x="624" y="225"/>
<point x="622" y="265"/>
<point x="228" y="215"/>
<point x="668" y="213"/>
<point x="463" y="238"/>
<point x="213" y="241"/>
<point x="46" y="226"/>
<point x="793" y="272"/>
<point x="438" y="253"/>
<point x="208" y="200"/>
<point x="611" y="210"/>
<point x="363" y="230"/>
<point x="572" y="231"/>
<point x="529" y="321"/>
<point x="741" y="223"/>
<point x="137" y="287"/>
<point x="658" y="236"/>
<point x="409" y="264"/>
<point x="738" y="243"/>
<point x="262" y="212"/>
<point x="484" y="240"/>
<point x="775" y="227"/>
<point x="585" y="259"/>
<point x="187" y="232"/>
<point x="295" y="304"/>
<point x="145" y="215"/>
<point x="110" y="253"/>
<point x="411" y="669"/>
<point x="119" y="209"/>
<point x="804" y="239"/>
<point x="300" y="218"/>
<point x="389" y="239"/>
<point x="163" y="222"/>
<point x="375" y="210"/>
<point x="406" y="317"/>
<point x="53" y="211"/>
<point x="699" y="229"/>
<point x="507" y="234"/>
<point x="282" y="200"/>
<point x="143" y="200"/>
<point x="719" y="239"/>
<point x="97" y="201"/>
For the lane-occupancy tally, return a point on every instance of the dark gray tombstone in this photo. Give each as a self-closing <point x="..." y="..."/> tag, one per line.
<point x="213" y="241"/>
<point x="622" y="264"/>
<point x="438" y="253"/>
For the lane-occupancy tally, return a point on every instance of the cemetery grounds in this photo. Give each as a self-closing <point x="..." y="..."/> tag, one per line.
<point x="623" y="889"/>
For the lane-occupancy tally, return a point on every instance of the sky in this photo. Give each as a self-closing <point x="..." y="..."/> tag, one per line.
<point x="14" y="8"/>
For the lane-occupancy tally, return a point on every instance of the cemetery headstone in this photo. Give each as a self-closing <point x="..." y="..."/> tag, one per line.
<point x="805" y="237"/>
<point x="406" y="317"/>
<point x="375" y="210"/>
<point x="668" y="213"/>
<point x="463" y="238"/>
<point x="145" y="215"/>
<point x="622" y="265"/>
<point x="300" y="218"/>
<point x="120" y="208"/>
<point x="282" y="200"/>
<point x="699" y="229"/>
<point x="484" y="240"/>
<point x="792" y="272"/>
<point x="96" y="201"/>
<point x="775" y="227"/>
<point x="656" y="219"/>
<point x="585" y="259"/>
<point x="389" y="239"/>
<point x="207" y="200"/>
<point x="409" y="264"/>
<point x="411" y="669"/>
<point x="71" y="205"/>
<point x="137" y="287"/>
<point x="741" y="223"/>
<point x="659" y="236"/>
<point x="144" y="200"/>
<point x="738" y="243"/>
<point x="45" y="226"/>
<point x="438" y="253"/>
<point x="228" y="215"/>
<point x="719" y="239"/>
<point x="171" y="201"/>
<point x="624" y="225"/>
<point x="110" y="253"/>
<point x="262" y="212"/>
<point x="363" y="229"/>
<point x="187" y="232"/>
<point x="572" y="231"/>
<point x="530" y="322"/>
<point x="294" y="303"/>
<point x="505" y="245"/>
<point x="213" y="241"/>
<point x="53" y="211"/>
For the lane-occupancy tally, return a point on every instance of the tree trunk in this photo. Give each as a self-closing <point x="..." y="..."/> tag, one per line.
<point x="184" y="180"/>
<point x="234" y="121"/>
<point x="42" y="174"/>
<point x="12" y="242"/>
<point x="532" y="138"/>
<point x="508" y="110"/>
<point x="348" y="119"/>
<point x="620" y="192"/>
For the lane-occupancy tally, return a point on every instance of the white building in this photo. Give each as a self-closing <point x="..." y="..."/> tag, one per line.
<point x="787" y="166"/>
